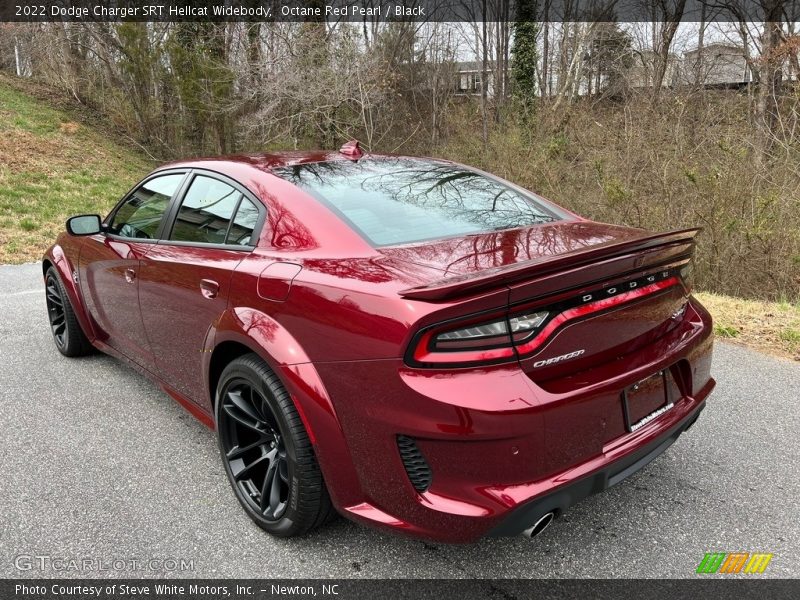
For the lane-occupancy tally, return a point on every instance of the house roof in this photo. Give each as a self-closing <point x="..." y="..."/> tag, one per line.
<point x="716" y="46"/>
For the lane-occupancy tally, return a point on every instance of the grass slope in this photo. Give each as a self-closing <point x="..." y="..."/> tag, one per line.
<point x="52" y="167"/>
<point x="772" y="327"/>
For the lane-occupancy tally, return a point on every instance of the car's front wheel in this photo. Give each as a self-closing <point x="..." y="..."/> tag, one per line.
<point x="67" y="333"/>
<point x="266" y="451"/>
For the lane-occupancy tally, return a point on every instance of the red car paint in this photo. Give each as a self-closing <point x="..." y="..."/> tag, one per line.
<point x="344" y="325"/>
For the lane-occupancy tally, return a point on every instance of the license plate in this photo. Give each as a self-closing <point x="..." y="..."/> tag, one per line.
<point x="646" y="400"/>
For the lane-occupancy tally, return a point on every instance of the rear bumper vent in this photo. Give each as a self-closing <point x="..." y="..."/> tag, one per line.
<point x="417" y="468"/>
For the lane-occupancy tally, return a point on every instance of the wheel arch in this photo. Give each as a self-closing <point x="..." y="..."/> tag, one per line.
<point x="222" y="355"/>
<point x="56" y="258"/>
<point x="46" y="264"/>
<point x="241" y="331"/>
<point x="244" y="330"/>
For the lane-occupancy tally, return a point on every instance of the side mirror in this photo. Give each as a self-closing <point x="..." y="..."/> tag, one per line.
<point x="84" y="225"/>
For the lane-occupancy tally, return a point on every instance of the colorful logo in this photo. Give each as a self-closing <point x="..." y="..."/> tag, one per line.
<point x="734" y="562"/>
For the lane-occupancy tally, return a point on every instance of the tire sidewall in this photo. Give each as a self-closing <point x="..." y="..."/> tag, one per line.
<point x="52" y="274"/>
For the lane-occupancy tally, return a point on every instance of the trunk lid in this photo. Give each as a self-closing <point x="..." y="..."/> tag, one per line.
<point x="603" y="289"/>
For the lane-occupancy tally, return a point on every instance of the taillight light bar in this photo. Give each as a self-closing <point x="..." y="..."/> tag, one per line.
<point x="592" y="307"/>
<point x="518" y="333"/>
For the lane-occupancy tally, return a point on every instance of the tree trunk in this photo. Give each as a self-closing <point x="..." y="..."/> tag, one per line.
<point x="506" y="49"/>
<point x="670" y="27"/>
<point x="769" y="84"/>
<point x="699" y="79"/>
<point x="484" y="109"/>
<point x="544" y="86"/>
<point x="660" y="68"/>
<point x="16" y="58"/>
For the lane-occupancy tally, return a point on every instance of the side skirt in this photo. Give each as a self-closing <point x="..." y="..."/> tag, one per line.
<point x="190" y="406"/>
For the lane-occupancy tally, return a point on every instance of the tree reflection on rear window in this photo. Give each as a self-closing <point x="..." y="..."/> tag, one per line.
<point x="401" y="200"/>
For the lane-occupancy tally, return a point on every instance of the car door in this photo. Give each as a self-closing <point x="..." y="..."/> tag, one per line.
<point x="109" y="264"/>
<point x="185" y="278"/>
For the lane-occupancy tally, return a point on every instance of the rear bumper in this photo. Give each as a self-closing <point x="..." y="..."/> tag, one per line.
<point x="502" y="449"/>
<point x="571" y="493"/>
<point x="508" y="510"/>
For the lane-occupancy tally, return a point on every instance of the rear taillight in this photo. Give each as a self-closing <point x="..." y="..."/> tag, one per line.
<point x="481" y="342"/>
<point x="486" y="335"/>
<point x="503" y="337"/>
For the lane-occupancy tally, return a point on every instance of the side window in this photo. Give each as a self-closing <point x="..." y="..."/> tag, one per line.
<point x="243" y="224"/>
<point x="205" y="212"/>
<point x="140" y="215"/>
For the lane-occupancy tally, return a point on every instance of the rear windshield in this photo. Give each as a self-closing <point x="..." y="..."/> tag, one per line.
<point x="401" y="200"/>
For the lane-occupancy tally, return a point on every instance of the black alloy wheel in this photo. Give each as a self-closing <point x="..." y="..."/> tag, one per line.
<point x="55" y="311"/>
<point x="67" y="333"/>
<point x="255" y="449"/>
<point x="266" y="451"/>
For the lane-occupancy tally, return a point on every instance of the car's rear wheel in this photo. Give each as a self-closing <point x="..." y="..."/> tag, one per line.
<point x="67" y="333"/>
<point x="266" y="451"/>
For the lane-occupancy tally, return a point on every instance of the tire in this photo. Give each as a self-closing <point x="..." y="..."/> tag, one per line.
<point x="67" y="333"/>
<point x="268" y="458"/>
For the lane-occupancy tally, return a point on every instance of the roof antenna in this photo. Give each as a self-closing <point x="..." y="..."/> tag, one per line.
<point x="352" y="150"/>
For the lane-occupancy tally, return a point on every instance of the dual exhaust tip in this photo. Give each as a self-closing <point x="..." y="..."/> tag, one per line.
<point x="540" y="525"/>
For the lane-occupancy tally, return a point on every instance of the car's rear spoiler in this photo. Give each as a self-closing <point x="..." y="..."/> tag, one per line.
<point x="460" y="285"/>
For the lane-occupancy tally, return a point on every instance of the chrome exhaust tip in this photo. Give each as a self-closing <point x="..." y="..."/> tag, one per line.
<point x="540" y="525"/>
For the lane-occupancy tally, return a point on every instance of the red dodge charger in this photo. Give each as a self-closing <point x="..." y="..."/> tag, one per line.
<point x="412" y="343"/>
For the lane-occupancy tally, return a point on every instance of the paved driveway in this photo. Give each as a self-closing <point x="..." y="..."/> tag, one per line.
<point x="97" y="463"/>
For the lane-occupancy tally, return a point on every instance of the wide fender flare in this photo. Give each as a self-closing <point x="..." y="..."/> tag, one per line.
<point x="285" y="356"/>
<point x="58" y="258"/>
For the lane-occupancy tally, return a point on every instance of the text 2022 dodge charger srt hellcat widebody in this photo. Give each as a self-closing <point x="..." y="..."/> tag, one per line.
<point x="415" y="344"/>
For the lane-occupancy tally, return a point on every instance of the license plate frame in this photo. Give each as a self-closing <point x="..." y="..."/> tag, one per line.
<point x="627" y="394"/>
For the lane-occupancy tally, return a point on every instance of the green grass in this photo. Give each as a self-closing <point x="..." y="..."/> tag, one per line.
<point x="27" y="224"/>
<point x="52" y="167"/>
<point x="25" y="114"/>
<point x="725" y="331"/>
<point x="790" y="335"/>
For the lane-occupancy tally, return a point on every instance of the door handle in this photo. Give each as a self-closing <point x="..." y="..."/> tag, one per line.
<point x="209" y="288"/>
<point x="130" y="275"/>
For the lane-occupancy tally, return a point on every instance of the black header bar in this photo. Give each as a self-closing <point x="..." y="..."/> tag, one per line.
<point x="395" y="10"/>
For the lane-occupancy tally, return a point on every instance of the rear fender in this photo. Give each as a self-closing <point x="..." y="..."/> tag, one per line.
<point x="58" y="258"/>
<point x="284" y="355"/>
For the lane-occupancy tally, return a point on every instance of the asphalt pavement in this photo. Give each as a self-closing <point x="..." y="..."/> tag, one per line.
<point x="101" y="473"/>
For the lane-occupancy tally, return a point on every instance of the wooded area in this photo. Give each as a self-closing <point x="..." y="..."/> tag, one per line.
<point x="648" y="124"/>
